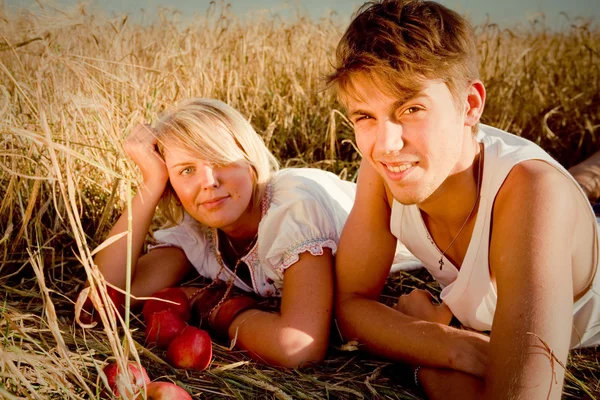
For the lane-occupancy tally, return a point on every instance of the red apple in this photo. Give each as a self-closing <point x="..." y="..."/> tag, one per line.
<point x="176" y="295"/>
<point x="89" y="313"/>
<point x="136" y="376"/>
<point x="192" y="348"/>
<point x="118" y="299"/>
<point x="164" y="391"/>
<point x="162" y="327"/>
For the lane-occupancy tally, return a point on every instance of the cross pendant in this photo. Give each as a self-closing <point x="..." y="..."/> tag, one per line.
<point x="441" y="262"/>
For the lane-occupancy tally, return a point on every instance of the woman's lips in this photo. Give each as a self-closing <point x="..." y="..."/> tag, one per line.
<point x="214" y="202"/>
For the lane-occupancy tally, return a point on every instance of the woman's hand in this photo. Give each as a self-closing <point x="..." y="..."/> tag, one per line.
<point x="418" y="304"/>
<point x="140" y="145"/>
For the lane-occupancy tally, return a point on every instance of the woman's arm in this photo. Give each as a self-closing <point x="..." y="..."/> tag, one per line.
<point x="112" y="260"/>
<point x="150" y="272"/>
<point x="300" y="332"/>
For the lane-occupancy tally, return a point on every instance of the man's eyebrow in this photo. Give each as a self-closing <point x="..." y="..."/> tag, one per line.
<point x="409" y="97"/>
<point x="398" y="103"/>
<point x="358" y="111"/>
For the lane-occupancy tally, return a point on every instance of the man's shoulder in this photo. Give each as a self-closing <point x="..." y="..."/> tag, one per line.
<point x="536" y="182"/>
<point x="508" y="144"/>
<point x="529" y="170"/>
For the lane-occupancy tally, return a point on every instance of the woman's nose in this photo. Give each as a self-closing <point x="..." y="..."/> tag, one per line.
<point x="208" y="177"/>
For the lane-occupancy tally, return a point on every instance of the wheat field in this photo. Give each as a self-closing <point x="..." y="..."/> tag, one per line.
<point x="74" y="82"/>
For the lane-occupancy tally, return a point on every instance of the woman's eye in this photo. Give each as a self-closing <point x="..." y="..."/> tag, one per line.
<point x="411" y="110"/>
<point x="186" y="171"/>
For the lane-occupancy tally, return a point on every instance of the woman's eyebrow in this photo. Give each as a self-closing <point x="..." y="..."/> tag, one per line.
<point x="179" y="164"/>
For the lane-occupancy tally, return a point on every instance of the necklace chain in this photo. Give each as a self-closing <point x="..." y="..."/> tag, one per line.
<point x="238" y="255"/>
<point x="477" y="196"/>
<point x="221" y="263"/>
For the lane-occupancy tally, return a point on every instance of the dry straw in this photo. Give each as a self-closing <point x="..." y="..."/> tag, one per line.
<point x="73" y="83"/>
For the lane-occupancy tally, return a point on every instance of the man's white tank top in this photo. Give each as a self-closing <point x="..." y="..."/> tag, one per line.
<point x="469" y="293"/>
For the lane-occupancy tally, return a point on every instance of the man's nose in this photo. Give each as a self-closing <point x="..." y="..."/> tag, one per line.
<point x="390" y="137"/>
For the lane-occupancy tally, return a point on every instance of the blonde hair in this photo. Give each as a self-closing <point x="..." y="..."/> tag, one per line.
<point x="218" y="134"/>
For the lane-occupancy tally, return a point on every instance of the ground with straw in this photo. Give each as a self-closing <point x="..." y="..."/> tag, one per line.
<point x="73" y="83"/>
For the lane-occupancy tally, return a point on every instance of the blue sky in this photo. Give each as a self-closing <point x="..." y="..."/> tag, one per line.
<point x="503" y="12"/>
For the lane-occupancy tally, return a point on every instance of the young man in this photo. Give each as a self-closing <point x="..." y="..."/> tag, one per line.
<point x="505" y="230"/>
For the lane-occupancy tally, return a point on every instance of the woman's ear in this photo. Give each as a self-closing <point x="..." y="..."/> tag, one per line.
<point x="474" y="103"/>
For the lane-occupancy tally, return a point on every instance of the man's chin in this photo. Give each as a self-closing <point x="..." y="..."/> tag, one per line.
<point x="406" y="199"/>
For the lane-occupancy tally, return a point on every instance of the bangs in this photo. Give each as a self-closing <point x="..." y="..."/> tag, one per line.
<point x="210" y="139"/>
<point x="387" y="81"/>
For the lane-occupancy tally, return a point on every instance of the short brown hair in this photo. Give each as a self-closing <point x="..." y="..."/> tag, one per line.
<point x="402" y="43"/>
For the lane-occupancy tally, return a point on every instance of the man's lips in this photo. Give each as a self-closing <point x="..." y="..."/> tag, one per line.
<point x="398" y="167"/>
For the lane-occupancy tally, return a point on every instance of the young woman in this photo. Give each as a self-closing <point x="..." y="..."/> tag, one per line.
<point x="235" y="217"/>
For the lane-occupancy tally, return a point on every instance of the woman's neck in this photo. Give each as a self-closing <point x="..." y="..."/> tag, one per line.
<point x="244" y="231"/>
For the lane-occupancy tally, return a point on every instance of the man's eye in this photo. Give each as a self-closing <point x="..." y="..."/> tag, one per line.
<point x="412" y="110"/>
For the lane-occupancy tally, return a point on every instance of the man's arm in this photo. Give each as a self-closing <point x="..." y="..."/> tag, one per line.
<point x="364" y="258"/>
<point x="530" y="258"/>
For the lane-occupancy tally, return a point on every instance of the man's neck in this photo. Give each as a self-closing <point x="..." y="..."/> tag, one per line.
<point x="453" y="201"/>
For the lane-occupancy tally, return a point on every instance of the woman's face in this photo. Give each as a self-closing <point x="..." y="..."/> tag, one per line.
<point x="216" y="196"/>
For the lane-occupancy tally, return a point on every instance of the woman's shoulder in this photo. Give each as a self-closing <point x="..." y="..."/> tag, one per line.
<point x="292" y="184"/>
<point x="307" y="211"/>
<point x="305" y="204"/>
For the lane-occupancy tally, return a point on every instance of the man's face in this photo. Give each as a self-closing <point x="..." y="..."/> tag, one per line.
<point x="413" y="143"/>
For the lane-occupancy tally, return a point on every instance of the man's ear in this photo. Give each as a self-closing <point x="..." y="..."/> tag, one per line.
<point x="474" y="103"/>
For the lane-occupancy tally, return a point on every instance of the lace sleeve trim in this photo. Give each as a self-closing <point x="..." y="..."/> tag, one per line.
<point x="314" y="246"/>
<point x="161" y="245"/>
